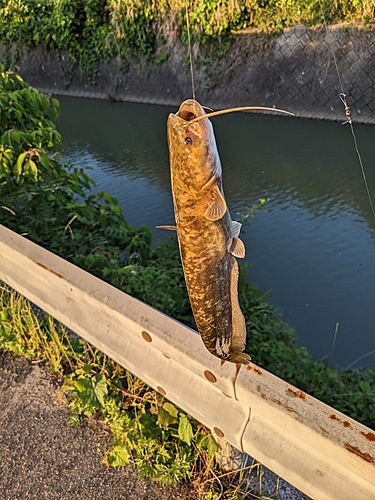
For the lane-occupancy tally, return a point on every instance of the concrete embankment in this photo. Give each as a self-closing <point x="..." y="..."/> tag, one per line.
<point x="298" y="70"/>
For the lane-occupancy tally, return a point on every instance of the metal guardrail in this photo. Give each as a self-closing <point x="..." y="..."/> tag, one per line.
<point x="319" y="450"/>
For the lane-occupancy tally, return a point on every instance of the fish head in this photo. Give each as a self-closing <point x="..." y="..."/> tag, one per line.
<point x="192" y="148"/>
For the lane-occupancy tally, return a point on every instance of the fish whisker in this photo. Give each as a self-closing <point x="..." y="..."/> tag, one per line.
<point x="235" y="110"/>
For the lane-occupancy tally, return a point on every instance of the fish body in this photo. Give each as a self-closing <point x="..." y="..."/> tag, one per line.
<point x="208" y="239"/>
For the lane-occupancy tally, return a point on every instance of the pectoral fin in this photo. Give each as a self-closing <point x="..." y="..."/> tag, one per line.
<point x="170" y="228"/>
<point x="217" y="205"/>
<point x="237" y="248"/>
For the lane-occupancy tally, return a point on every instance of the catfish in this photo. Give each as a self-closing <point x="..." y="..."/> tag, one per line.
<point x="208" y="238"/>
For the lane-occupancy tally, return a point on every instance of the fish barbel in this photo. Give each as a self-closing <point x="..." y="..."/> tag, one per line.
<point x="207" y="237"/>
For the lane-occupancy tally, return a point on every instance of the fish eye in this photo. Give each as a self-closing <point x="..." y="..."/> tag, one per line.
<point x="188" y="140"/>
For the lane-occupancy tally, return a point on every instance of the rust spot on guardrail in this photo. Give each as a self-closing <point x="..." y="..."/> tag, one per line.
<point x="365" y="456"/>
<point x="345" y="423"/>
<point x="257" y="371"/>
<point x="369" y="435"/>
<point x="279" y="403"/>
<point x="297" y="393"/>
<point x="50" y="270"/>
<point x="276" y="401"/>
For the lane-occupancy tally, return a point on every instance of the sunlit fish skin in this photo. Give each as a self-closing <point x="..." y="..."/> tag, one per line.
<point x="208" y="239"/>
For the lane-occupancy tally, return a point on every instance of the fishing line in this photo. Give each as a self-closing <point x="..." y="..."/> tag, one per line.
<point x="359" y="359"/>
<point x="342" y="96"/>
<point x="333" y="341"/>
<point x="190" y="52"/>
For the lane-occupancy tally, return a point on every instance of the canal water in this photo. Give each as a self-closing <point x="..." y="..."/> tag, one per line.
<point x="314" y="249"/>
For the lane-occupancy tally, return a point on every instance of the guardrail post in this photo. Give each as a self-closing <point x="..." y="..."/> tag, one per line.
<point x="229" y="458"/>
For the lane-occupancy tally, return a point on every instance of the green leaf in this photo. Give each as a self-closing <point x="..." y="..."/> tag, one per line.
<point x="87" y="368"/>
<point x="167" y="415"/>
<point x="55" y="102"/>
<point x="148" y="425"/>
<point x="171" y="409"/>
<point x="82" y="384"/>
<point x="32" y="169"/>
<point x="118" y="457"/>
<point x="16" y="136"/>
<point x="44" y="160"/>
<point x="68" y="384"/>
<point x="365" y="386"/>
<point x="100" y="387"/>
<point x="17" y="170"/>
<point x="3" y="315"/>
<point x="86" y="392"/>
<point x="185" y="430"/>
<point x="208" y="444"/>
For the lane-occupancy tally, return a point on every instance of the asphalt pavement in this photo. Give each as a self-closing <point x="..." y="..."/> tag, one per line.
<point x="42" y="458"/>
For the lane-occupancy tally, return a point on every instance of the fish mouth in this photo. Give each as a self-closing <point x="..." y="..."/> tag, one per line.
<point x="189" y="110"/>
<point x="178" y="124"/>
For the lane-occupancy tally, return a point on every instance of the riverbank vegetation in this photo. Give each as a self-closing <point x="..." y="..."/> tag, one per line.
<point x="91" y="31"/>
<point x="53" y="205"/>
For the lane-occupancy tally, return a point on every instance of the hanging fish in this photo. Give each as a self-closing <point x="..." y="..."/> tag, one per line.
<point x="207" y="236"/>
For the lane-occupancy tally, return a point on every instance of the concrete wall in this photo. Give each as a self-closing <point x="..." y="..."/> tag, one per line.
<point x="295" y="71"/>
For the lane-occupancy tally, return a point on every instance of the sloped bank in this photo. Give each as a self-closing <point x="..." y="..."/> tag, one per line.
<point x="294" y="70"/>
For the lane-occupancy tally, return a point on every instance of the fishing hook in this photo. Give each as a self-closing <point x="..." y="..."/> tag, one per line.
<point x="348" y="113"/>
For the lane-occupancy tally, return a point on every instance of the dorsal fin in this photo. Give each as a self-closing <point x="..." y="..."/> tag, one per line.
<point x="217" y="205"/>
<point x="236" y="228"/>
<point x="237" y="248"/>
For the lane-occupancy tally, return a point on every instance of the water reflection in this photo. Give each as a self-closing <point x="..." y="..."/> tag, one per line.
<point x="315" y="247"/>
